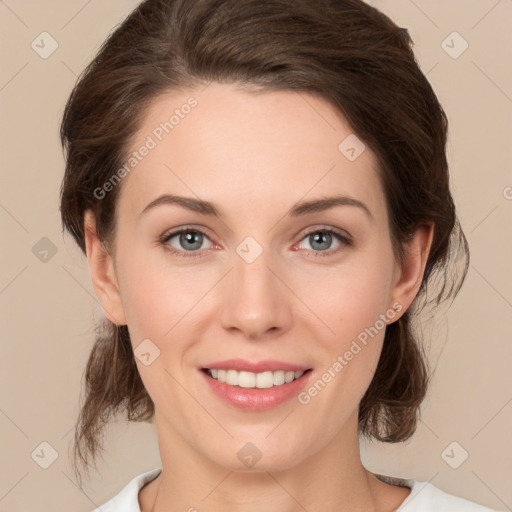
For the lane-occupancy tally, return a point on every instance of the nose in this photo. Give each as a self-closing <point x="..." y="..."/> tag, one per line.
<point x="257" y="303"/>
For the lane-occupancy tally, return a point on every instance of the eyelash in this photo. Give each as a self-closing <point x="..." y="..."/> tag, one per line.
<point x="345" y="240"/>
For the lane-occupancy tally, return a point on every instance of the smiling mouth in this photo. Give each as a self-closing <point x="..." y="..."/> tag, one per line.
<point x="262" y="380"/>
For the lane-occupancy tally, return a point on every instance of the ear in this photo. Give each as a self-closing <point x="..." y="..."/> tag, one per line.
<point x="408" y="276"/>
<point x="101" y="269"/>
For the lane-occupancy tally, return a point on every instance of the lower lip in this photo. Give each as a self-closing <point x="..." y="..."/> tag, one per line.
<point x="256" y="399"/>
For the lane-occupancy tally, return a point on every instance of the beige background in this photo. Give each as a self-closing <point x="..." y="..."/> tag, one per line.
<point x="48" y="308"/>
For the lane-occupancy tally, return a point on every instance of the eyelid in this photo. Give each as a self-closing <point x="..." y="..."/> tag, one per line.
<point x="341" y="232"/>
<point x="186" y="228"/>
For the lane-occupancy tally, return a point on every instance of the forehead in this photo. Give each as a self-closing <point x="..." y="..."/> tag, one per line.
<point x="224" y="144"/>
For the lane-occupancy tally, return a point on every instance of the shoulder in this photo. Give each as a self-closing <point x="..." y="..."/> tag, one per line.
<point x="426" y="497"/>
<point x="127" y="500"/>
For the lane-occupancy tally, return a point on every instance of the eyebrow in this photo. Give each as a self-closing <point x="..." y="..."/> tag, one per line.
<point x="299" y="209"/>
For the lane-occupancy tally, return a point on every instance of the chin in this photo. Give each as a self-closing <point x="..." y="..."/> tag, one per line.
<point x="258" y="455"/>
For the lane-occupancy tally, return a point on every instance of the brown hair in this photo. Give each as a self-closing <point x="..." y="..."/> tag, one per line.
<point x="345" y="51"/>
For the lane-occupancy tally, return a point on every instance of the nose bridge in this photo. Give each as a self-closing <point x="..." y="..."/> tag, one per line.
<point x="257" y="298"/>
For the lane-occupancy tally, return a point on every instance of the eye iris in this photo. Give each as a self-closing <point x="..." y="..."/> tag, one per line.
<point x="188" y="237"/>
<point x="320" y="238"/>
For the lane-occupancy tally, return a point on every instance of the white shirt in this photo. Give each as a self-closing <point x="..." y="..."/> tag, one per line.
<point x="424" y="497"/>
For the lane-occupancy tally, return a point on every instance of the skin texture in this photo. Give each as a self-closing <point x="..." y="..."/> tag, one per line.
<point x="254" y="156"/>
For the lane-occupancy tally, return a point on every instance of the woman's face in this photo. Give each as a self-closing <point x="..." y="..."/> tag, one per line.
<point x="258" y="282"/>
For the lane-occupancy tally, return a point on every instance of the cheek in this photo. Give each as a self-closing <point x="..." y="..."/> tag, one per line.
<point x="352" y="302"/>
<point x="157" y="295"/>
<point x="160" y="303"/>
<point x="350" y="298"/>
<point x="347" y="359"/>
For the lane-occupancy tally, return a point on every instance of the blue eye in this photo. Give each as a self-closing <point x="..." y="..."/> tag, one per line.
<point x="190" y="241"/>
<point x="321" y="238"/>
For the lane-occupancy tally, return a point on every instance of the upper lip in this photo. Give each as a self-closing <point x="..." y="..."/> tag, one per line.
<point x="255" y="366"/>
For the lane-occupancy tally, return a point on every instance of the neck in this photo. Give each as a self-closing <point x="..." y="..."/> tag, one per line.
<point x="333" y="478"/>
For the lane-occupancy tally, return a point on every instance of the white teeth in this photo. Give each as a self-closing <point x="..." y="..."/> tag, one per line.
<point x="264" y="380"/>
<point x="278" y="378"/>
<point x="246" y="379"/>
<point x="232" y="377"/>
<point x="254" y="380"/>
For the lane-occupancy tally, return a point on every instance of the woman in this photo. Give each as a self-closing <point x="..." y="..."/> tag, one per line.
<point x="261" y="190"/>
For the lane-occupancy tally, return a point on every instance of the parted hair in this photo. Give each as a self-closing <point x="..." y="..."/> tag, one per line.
<point x="344" y="51"/>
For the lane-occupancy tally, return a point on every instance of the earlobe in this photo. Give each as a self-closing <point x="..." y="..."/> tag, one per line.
<point x="409" y="275"/>
<point x="102" y="272"/>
